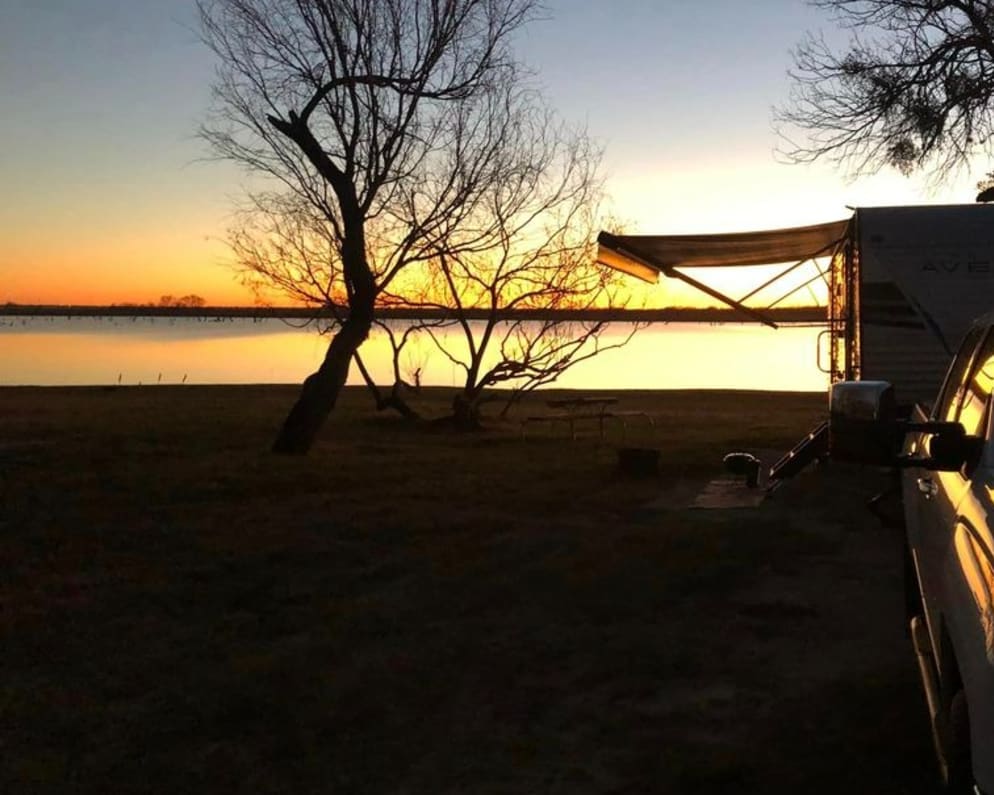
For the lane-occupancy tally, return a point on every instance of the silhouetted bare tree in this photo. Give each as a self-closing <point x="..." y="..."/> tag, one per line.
<point x="524" y="243"/>
<point x="913" y="88"/>
<point x="542" y="260"/>
<point x="375" y="114"/>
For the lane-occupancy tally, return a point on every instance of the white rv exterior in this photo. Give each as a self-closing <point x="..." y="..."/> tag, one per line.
<point x="925" y="274"/>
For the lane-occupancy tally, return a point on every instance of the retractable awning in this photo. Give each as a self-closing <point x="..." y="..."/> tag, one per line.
<point x="647" y="256"/>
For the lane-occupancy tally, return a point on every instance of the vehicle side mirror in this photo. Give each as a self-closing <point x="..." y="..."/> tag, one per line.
<point x="863" y="425"/>
<point x="863" y="428"/>
<point x="950" y="449"/>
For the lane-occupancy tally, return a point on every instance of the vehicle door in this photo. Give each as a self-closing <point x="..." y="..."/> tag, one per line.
<point x="966" y="581"/>
<point x="968" y="610"/>
<point x="945" y="408"/>
<point x="936" y="496"/>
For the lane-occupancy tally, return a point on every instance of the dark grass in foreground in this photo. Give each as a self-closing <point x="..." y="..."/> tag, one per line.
<point x="413" y="610"/>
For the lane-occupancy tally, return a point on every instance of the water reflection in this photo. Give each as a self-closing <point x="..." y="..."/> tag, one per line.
<point x="81" y="351"/>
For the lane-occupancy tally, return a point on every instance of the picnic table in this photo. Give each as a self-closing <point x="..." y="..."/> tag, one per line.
<point x="573" y="410"/>
<point x="574" y="404"/>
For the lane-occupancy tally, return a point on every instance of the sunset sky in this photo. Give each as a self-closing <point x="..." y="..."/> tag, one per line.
<point x="108" y="197"/>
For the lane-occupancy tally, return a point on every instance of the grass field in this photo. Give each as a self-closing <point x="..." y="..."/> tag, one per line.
<point x="413" y="610"/>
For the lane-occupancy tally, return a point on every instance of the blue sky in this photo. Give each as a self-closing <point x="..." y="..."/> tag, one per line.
<point x="107" y="193"/>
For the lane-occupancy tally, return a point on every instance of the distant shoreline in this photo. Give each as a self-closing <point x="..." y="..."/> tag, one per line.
<point x="812" y="315"/>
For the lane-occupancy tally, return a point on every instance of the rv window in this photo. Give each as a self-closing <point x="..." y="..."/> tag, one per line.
<point x="977" y="390"/>
<point x="947" y="407"/>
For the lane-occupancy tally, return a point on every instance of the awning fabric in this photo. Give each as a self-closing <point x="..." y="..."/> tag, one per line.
<point x="645" y="256"/>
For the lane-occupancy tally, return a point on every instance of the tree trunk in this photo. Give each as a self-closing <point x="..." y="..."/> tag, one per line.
<point x="321" y="389"/>
<point x="395" y="400"/>
<point x="466" y="412"/>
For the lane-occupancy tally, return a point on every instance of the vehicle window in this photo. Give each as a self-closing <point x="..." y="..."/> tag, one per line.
<point x="977" y="391"/>
<point x="948" y="404"/>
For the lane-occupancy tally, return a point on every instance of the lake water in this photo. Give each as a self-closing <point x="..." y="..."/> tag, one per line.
<point x="93" y="351"/>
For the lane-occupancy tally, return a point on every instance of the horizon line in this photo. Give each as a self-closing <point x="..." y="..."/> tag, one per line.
<point x="803" y="314"/>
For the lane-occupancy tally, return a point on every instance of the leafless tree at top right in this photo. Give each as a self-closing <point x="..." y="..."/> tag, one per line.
<point x="913" y="88"/>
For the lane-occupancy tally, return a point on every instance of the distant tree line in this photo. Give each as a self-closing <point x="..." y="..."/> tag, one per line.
<point x="187" y="301"/>
<point x="190" y="301"/>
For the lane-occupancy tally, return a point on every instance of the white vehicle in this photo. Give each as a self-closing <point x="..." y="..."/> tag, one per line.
<point x="946" y="460"/>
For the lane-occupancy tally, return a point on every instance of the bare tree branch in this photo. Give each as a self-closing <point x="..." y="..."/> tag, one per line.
<point x="913" y="89"/>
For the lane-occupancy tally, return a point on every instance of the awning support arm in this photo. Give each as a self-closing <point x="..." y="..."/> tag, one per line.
<point x="773" y="280"/>
<point x="799" y="287"/>
<point x="823" y="252"/>
<point x="675" y="274"/>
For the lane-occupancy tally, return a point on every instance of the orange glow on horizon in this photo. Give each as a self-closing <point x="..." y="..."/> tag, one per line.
<point x="137" y="271"/>
<point x="124" y="259"/>
<point x="81" y="284"/>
